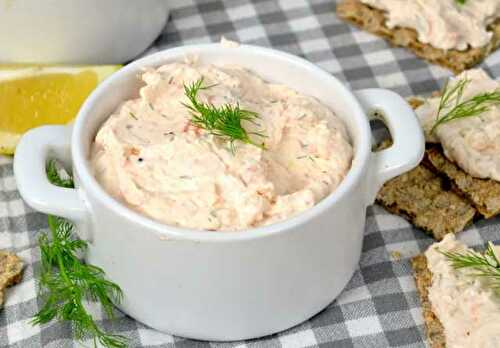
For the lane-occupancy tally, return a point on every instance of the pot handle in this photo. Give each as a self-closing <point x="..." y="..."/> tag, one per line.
<point x="408" y="145"/>
<point x="32" y="153"/>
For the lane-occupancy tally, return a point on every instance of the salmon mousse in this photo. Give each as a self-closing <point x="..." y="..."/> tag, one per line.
<point x="465" y="120"/>
<point x="444" y="24"/>
<point x="463" y="293"/>
<point x="218" y="148"/>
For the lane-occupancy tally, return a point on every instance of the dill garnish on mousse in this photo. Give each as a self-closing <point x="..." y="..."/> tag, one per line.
<point x="222" y="121"/>
<point x="486" y="265"/>
<point x="457" y="108"/>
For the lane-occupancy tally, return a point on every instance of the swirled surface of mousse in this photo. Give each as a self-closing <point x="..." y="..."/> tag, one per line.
<point x="151" y="157"/>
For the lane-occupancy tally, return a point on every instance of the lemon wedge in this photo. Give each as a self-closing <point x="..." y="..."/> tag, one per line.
<point x="31" y="96"/>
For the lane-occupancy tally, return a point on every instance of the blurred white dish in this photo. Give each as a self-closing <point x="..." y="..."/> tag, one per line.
<point x="78" y="31"/>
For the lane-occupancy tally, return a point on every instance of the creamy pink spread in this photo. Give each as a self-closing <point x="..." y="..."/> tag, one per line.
<point x="149" y="156"/>
<point x="471" y="142"/>
<point x="468" y="309"/>
<point x="444" y="24"/>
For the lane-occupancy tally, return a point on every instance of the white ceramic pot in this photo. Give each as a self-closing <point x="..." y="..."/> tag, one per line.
<point x="220" y="285"/>
<point x="78" y="31"/>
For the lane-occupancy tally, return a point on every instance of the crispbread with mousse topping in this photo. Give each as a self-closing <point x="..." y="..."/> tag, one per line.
<point x="373" y="21"/>
<point x="425" y="198"/>
<point x="11" y="268"/>
<point x="484" y="194"/>
<point x="446" y="183"/>
<point x="423" y="280"/>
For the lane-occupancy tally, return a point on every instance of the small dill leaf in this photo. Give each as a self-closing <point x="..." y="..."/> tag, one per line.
<point x="486" y="265"/>
<point x="223" y="121"/>
<point x="452" y="100"/>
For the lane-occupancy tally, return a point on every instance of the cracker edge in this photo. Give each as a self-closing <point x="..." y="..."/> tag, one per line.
<point x="456" y="61"/>
<point x="423" y="280"/>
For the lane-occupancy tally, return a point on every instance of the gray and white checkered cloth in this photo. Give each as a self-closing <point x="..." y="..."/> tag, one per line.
<point x="380" y="306"/>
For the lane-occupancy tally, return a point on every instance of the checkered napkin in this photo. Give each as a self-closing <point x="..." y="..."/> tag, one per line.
<point x="379" y="307"/>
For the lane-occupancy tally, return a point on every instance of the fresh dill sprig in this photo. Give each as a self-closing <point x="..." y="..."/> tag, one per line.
<point x="55" y="178"/>
<point x="460" y="2"/>
<point x="474" y="106"/>
<point x="222" y="121"/>
<point x="485" y="265"/>
<point x="65" y="281"/>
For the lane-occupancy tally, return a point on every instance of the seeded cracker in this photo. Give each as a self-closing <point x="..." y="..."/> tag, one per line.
<point x="423" y="279"/>
<point x="11" y="268"/>
<point x="422" y="197"/>
<point x="484" y="194"/>
<point x="373" y="21"/>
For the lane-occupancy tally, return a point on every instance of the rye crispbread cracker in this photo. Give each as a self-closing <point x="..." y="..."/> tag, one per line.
<point x="11" y="268"/>
<point x="484" y="194"/>
<point x="423" y="198"/>
<point x="423" y="280"/>
<point x="373" y="21"/>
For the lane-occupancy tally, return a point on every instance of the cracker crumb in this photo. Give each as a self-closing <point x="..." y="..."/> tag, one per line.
<point x="11" y="268"/>
<point x="396" y="255"/>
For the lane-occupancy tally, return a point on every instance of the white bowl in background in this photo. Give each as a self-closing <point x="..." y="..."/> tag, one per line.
<point x="78" y="31"/>
<point x="223" y="285"/>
